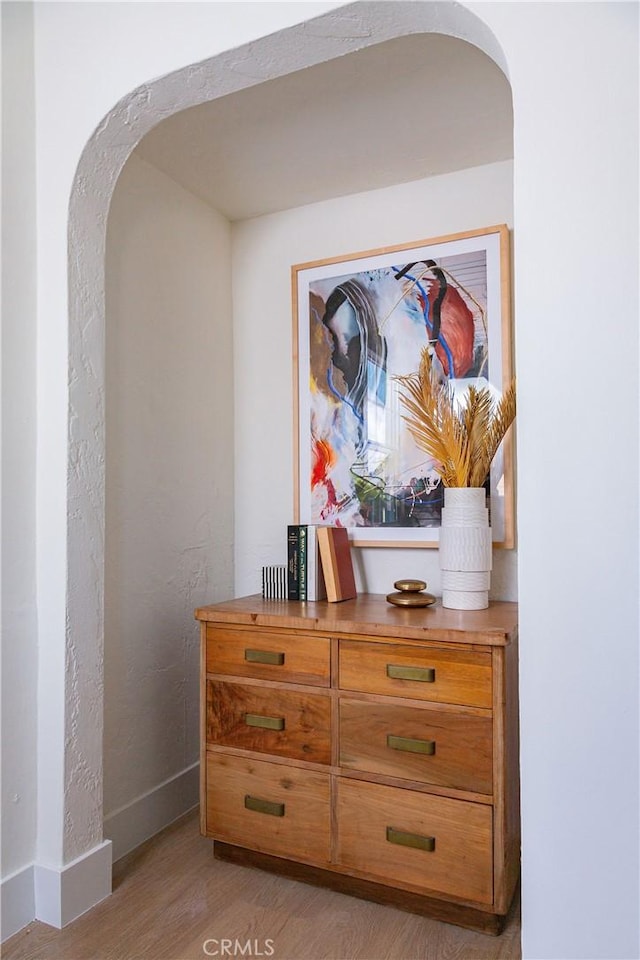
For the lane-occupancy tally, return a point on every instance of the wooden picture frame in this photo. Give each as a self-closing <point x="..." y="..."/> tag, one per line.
<point x="361" y="320"/>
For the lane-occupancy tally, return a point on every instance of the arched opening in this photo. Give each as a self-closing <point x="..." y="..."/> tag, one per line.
<point x="98" y="171"/>
<point x="404" y="139"/>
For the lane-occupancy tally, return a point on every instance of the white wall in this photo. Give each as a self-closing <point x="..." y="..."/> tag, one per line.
<point x="169" y="488"/>
<point x="573" y="69"/>
<point x="576" y="254"/>
<point x="19" y="636"/>
<point x="263" y="251"/>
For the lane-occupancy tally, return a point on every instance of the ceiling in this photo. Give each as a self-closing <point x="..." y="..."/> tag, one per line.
<point x="409" y="108"/>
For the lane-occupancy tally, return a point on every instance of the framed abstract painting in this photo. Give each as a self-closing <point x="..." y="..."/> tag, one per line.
<point x="360" y="322"/>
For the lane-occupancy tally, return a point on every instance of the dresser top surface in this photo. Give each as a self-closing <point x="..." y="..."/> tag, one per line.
<point x="373" y="615"/>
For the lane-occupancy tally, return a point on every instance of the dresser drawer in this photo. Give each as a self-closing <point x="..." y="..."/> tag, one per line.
<point x="430" y="843"/>
<point x="268" y="656"/>
<point x="422" y="673"/>
<point x="282" y="722"/>
<point x="439" y="746"/>
<point x="269" y="807"/>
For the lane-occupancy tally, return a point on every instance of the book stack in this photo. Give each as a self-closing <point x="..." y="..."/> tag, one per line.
<point x="319" y="565"/>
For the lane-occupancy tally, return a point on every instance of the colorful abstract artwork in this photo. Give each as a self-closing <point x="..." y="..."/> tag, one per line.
<point x="360" y="323"/>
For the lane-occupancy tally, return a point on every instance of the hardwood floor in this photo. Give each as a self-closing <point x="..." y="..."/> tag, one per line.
<point x="173" y="901"/>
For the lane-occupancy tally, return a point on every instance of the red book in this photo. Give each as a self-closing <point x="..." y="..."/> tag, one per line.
<point x="337" y="566"/>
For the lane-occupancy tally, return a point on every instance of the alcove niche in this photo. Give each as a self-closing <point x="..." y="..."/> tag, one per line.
<point x="403" y="140"/>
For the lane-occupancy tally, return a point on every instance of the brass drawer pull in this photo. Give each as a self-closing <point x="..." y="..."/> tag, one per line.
<point x="264" y="656"/>
<point x="411" y="840"/>
<point x="424" y="674"/>
<point x="264" y="806"/>
<point x="410" y="745"/>
<point x="267" y="723"/>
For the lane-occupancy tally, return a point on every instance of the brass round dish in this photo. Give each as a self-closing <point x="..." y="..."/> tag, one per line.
<point x="406" y="598"/>
<point x="410" y="586"/>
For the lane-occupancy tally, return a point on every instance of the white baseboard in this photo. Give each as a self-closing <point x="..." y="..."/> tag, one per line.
<point x="56" y="895"/>
<point x="18" y="905"/>
<point x="132" y="824"/>
<point x="64" y="893"/>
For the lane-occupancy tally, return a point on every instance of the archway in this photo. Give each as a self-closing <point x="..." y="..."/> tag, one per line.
<point x="331" y="36"/>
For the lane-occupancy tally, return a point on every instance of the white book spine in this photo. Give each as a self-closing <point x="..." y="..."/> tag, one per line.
<point x="315" y="579"/>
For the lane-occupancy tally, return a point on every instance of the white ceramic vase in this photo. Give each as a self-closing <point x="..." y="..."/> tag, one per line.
<point x="465" y="549"/>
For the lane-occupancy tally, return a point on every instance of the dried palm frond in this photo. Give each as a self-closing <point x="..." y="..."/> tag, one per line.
<point x="462" y="441"/>
<point x="502" y="417"/>
<point x="433" y="423"/>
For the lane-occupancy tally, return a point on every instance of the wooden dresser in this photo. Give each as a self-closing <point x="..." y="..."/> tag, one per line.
<point x="366" y="747"/>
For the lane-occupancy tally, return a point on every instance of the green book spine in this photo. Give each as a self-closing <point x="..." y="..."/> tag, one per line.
<point x="293" y="562"/>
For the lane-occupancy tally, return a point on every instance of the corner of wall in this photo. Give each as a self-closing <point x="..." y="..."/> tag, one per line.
<point x="63" y="894"/>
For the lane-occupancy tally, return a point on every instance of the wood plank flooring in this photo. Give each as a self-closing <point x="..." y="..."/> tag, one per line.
<point x="173" y="901"/>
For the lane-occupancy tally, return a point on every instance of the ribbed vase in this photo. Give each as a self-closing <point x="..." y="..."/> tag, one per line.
<point x="465" y="549"/>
